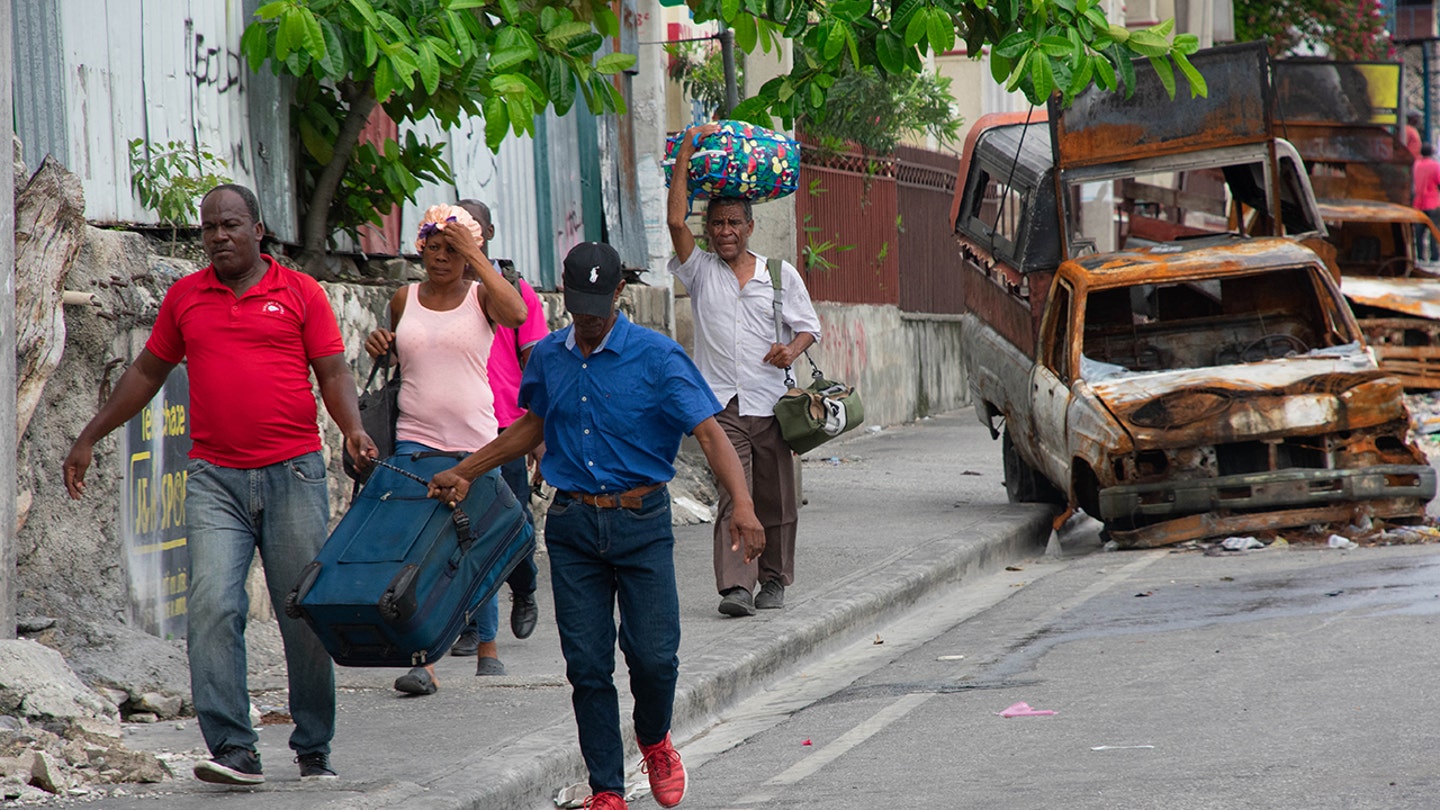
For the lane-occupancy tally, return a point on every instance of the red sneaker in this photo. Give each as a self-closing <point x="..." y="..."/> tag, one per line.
<point x="667" y="773"/>
<point x="605" y="801"/>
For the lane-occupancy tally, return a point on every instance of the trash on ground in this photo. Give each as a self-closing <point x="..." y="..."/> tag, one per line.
<point x="1117" y="747"/>
<point x="1144" y="594"/>
<point x="1022" y="709"/>
<point x="1337" y="541"/>
<point x="1241" y="543"/>
<point x="950" y="658"/>
<point x="807" y="742"/>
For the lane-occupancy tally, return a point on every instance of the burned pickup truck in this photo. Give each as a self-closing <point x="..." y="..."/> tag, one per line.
<point x="1206" y="383"/>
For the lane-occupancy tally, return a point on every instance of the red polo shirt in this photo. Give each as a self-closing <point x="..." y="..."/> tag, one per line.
<point x="251" y="400"/>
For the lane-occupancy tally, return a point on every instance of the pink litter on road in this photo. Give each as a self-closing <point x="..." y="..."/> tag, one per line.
<point x="1022" y="709"/>
<point x="807" y="742"/>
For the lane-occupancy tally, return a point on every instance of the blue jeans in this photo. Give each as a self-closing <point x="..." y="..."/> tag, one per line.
<point x="487" y="617"/>
<point x="516" y="476"/>
<point x="282" y="511"/>
<point x="597" y="556"/>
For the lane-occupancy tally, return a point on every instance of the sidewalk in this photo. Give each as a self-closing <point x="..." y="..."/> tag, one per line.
<point x="889" y="515"/>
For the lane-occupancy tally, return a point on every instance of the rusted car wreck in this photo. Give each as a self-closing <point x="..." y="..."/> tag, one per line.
<point x="1199" y="375"/>
<point x="1344" y="119"/>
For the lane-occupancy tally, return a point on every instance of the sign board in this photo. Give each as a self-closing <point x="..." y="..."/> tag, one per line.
<point x="155" y="449"/>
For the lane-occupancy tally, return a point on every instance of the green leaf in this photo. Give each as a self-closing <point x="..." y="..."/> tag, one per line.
<point x="505" y="60"/>
<point x="614" y="63"/>
<point x="745" y="33"/>
<point x="507" y="84"/>
<point x="445" y="51"/>
<point x="549" y="18"/>
<point x="282" y="36"/>
<point x="1118" y="33"/>
<point x="755" y="111"/>
<point x="942" y="32"/>
<point x="333" y="63"/>
<point x="371" y="47"/>
<point x="1148" y="43"/>
<point x="817" y="96"/>
<point x="1104" y="74"/>
<point x="313" y="37"/>
<point x="255" y="44"/>
<point x="1097" y="19"/>
<point x="799" y="19"/>
<point x="917" y="29"/>
<point x="497" y="121"/>
<point x="890" y="52"/>
<point x="429" y="67"/>
<point x="728" y="9"/>
<point x="510" y="10"/>
<point x="404" y="67"/>
<point x="384" y="80"/>
<point x="606" y="22"/>
<point x="270" y="11"/>
<point x="1186" y="43"/>
<point x="462" y="4"/>
<point x="1013" y="45"/>
<point x="1164" y="28"/>
<point x="366" y="11"/>
<point x="1197" y="82"/>
<point x="1080" y="79"/>
<point x="1126" y="68"/>
<point x="1058" y="47"/>
<point x="1000" y="68"/>
<point x="834" y="34"/>
<point x="903" y="12"/>
<point x="585" y="45"/>
<point x="393" y="23"/>
<point x="562" y="35"/>
<point x="1041" y="76"/>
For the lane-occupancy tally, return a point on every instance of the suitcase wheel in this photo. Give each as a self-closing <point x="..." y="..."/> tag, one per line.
<point x="307" y="579"/>
<point x="398" y="603"/>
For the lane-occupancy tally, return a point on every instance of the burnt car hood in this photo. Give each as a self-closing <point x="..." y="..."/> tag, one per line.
<point x="1320" y="392"/>
<point x="1418" y="297"/>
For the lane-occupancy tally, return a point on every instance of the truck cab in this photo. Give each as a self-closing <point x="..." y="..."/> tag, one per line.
<point x="1152" y="332"/>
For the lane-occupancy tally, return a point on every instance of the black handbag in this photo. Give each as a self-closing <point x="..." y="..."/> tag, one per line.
<point x="379" y="408"/>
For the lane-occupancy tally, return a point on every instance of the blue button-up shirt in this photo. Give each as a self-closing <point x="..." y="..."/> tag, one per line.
<point x="614" y="420"/>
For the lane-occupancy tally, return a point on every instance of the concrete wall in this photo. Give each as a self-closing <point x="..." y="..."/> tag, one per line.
<point x="905" y="366"/>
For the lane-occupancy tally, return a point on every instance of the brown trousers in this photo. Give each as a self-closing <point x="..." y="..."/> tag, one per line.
<point x="770" y="473"/>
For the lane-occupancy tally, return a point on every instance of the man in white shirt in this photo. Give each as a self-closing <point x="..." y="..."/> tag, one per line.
<point x="744" y="361"/>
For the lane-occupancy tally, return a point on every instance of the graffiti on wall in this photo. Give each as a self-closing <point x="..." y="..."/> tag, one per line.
<point x="211" y="64"/>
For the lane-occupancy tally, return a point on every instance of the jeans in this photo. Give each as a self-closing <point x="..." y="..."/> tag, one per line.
<point x="516" y="476"/>
<point x="596" y="557"/>
<point x="487" y="616"/>
<point x="282" y="511"/>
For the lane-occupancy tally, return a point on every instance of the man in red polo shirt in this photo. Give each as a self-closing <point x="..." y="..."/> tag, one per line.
<point x="251" y="332"/>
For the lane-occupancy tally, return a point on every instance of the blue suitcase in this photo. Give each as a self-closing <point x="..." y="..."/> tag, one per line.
<point x="402" y="574"/>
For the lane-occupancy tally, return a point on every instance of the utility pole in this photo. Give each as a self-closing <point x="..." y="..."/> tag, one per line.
<point x="9" y="458"/>
<point x="727" y="60"/>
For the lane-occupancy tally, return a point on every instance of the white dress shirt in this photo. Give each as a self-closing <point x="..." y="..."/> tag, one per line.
<point x="735" y="326"/>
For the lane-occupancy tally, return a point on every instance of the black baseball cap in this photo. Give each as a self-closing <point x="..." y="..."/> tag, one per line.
<point x="592" y="273"/>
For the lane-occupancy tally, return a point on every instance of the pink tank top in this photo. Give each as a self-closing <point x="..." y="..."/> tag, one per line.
<point x="445" y="397"/>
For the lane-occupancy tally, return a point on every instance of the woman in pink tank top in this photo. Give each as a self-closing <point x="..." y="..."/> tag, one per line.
<point x="443" y="346"/>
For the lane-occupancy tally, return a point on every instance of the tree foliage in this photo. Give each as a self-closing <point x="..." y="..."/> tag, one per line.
<point x="876" y="112"/>
<point x="1037" y="47"/>
<point x="1340" y="29"/>
<point x="497" y="59"/>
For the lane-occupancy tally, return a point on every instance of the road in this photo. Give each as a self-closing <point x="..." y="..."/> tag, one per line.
<point x="1297" y="678"/>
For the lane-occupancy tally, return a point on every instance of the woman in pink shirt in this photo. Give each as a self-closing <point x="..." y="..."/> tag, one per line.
<point x="1427" y="195"/>
<point x="443" y="344"/>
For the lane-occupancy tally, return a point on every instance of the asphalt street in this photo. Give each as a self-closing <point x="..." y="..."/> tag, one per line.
<point x="1294" y="678"/>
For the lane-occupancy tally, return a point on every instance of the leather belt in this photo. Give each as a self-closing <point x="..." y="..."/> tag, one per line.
<point x="628" y="500"/>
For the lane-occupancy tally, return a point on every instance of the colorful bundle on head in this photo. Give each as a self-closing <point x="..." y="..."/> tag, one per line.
<point x="741" y="160"/>
<point x="438" y="217"/>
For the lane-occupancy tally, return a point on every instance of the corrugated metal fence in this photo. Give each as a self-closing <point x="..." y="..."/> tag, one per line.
<point x="874" y="230"/>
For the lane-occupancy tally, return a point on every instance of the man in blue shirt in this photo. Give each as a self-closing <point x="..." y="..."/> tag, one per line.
<point x="612" y="400"/>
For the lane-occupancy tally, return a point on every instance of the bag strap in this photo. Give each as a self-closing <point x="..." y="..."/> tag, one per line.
<point x="778" y="307"/>
<point x="392" y="369"/>
<point x="510" y="274"/>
